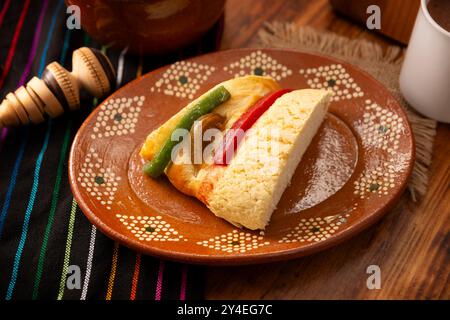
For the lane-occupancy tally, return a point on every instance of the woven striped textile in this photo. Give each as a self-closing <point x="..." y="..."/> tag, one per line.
<point x="44" y="237"/>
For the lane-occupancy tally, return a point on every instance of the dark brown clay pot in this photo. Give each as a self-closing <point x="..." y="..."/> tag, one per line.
<point x="148" y="26"/>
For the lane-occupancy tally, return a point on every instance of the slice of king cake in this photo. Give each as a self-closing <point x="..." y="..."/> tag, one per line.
<point x="250" y="187"/>
<point x="279" y="126"/>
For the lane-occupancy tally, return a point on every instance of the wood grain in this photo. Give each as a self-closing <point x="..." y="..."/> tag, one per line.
<point x="397" y="17"/>
<point x="411" y="244"/>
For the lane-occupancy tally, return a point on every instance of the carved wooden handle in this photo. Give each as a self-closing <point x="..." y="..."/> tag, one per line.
<point x="58" y="90"/>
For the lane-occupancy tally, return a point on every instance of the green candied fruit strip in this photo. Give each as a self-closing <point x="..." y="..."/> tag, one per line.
<point x="217" y="96"/>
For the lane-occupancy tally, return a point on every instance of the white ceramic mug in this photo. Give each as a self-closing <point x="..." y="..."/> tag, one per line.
<point x="425" y="74"/>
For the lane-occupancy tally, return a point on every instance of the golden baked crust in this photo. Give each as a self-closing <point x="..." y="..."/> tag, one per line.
<point x="247" y="190"/>
<point x="245" y="91"/>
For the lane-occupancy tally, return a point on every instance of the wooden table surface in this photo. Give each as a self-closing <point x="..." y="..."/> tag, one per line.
<point x="411" y="246"/>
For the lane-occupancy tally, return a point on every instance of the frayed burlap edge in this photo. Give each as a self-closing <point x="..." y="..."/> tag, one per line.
<point x="382" y="65"/>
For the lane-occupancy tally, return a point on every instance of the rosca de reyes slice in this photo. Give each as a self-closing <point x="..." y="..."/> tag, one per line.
<point x="265" y="130"/>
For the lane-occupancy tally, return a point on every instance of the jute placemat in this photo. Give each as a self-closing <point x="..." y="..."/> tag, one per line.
<point x="383" y="65"/>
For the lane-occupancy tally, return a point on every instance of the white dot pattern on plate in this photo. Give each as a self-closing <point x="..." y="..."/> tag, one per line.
<point x="380" y="129"/>
<point x="183" y="79"/>
<point x="150" y="228"/>
<point x="333" y="77"/>
<point x="117" y="117"/>
<point x="235" y="242"/>
<point x="101" y="183"/>
<point x="260" y="64"/>
<point x="315" y="229"/>
<point x="376" y="181"/>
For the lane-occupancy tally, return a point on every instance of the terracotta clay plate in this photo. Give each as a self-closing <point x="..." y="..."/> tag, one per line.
<point x="354" y="170"/>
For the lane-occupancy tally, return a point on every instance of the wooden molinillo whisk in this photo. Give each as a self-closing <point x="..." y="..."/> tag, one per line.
<point x="58" y="90"/>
